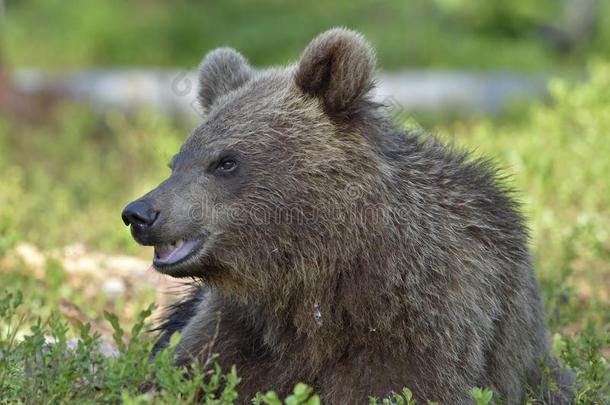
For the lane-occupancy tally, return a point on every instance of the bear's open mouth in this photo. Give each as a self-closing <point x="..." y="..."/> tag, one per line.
<point x="172" y="253"/>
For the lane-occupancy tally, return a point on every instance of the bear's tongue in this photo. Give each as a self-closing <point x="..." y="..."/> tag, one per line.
<point x="172" y="252"/>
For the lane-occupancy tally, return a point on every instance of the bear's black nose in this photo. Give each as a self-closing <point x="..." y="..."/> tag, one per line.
<point x="139" y="213"/>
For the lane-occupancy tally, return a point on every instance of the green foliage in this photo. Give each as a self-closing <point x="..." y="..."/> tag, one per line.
<point x="91" y="33"/>
<point x="61" y="178"/>
<point x="302" y="395"/>
<point x="585" y="355"/>
<point x="55" y="364"/>
<point x="403" y="398"/>
<point x="500" y="17"/>
<point x="481" y="396"/>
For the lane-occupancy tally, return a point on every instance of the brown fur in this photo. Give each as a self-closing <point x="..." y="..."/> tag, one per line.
<point x="343" y="252"/>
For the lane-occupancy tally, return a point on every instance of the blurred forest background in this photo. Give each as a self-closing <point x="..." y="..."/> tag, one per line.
<point x="67" y="167"/>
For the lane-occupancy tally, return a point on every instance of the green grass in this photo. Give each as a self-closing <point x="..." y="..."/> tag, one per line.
<point x="478" y="34"/>
<point x="67" y="180"/>
<point x="71" y="172"/>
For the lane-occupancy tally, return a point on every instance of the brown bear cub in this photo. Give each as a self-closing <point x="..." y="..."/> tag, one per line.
<point x="333" y="248"/>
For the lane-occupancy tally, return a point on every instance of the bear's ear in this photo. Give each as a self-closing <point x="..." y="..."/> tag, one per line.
<point x="222" y="70"/>
<point x="337" y="66"/>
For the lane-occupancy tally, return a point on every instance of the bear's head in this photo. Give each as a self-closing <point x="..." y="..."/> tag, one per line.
<point x="272" y="187"/>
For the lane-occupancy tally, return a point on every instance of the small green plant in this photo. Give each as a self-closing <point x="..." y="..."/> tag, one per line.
<point x="55" y="363"/>
<point x="405" y="397"/>
<point x="481" y="396"/>
<point x="301" y="395"/>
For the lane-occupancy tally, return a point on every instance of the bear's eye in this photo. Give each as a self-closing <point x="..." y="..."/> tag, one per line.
<point x="227" y="165"/>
